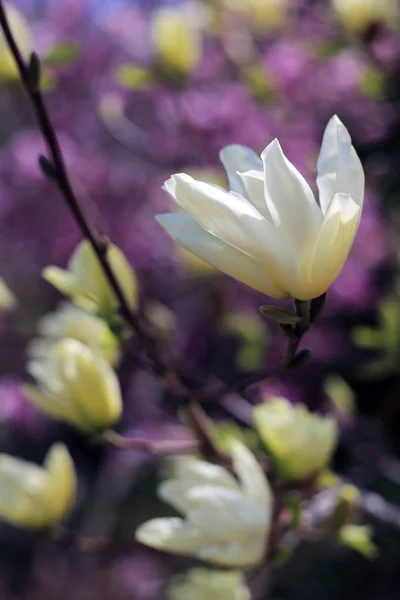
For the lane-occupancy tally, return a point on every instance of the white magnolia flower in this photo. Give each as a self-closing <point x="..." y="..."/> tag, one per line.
<point x="76" y="386"/>
<point x="268" y="231"/>
<point x="301" y="443"/>
<point x="70" y="321"/>
<point x="35" y="497"/>
<point x="226" y="521"/>
<point x="206" y="584"/>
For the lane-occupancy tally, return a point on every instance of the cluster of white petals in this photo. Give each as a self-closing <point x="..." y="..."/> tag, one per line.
<point x="226" y="520"/>
<point x="268" y="231"/>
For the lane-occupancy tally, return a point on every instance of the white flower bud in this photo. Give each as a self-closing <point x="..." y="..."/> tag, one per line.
<point x="37" y="497"/>
<point x="76" y="386"/>
<point x="300" y="443"/>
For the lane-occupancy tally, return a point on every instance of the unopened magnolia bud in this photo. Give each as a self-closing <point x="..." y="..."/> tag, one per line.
<point x="300" y="443"/>
<point x="76" y="386"/>
<point x="37" y="497"/>
<point x="7" y="299"/>
<point x="177" y="41"/>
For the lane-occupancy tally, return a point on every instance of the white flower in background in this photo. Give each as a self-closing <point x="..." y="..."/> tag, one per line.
<point x="70" y="321"/>
<point x="36" y="497"/>
<point x="8" y="301"/>
<point x="268" y="231"/>
<point x="76" y="386"/>
<point x="358" y="15"/>
<point x="177" y="39"/>
<point x="300" y="443"/>
<point x="85" y="283"/>
<point x="206" y="584"/>
<point x="226" y="521"/>
<point x="262" y="14"/>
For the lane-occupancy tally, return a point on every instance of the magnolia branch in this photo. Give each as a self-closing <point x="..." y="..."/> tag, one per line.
<point x="56" y="170"/>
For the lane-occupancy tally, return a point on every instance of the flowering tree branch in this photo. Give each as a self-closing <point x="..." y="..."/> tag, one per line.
<point x="56" y="170"/>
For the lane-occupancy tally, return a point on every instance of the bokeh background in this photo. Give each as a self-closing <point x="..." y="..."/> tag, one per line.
<point x="131" y="105"/>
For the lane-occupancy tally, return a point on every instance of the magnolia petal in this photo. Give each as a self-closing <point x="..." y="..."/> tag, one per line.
<point x="333" y="245"/>
<point x="237" y="159"/>
<point x="171" y="535"/>
<point x="226" y="215"/>
<point x="224" y="514"/>
<point x="62" y="482"/>
<point x="339" y="167"/>
<point x="252" y="478"/>
<point x="49" y="405"/>
<point x="186" y="232"/>
<point x="290" y="200"/>
<point x="254" y="190"/>
<point x="62" y="280"/>
<point x="235" y="553"/>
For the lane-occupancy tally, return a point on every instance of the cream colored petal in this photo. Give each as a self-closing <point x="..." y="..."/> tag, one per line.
<point x="186" y="232"/>
<point x="22" y="485"/>
<point x="333" y="244"/>
<point x="170" y="535"/>
<point x="224" y="515"/>
<point x="238" y="159"/>
<point x="254" y="189"/>
<point x="339" y="168"/>
<point x="227" y="215"/>
<point x="62" y="485"/>
<point x="235" y="554"/>
<point x="251" y="476"/>
<point x="61" y="279"/>
<point x="290" y="200"/>
<point x="51" y="406"/>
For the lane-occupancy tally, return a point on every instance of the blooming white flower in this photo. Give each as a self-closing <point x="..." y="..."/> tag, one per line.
<point x="177" y="39"/>
<point x="227" y="521"/>
<point x="268" y="231"/>
<point x="206" y="584"/>
<point x="301" y="443"/>
<point x="36" y="497"/>
<point x="70" y="321"/>
<point x="76" y="386"/>
<point x="85" y="283"/>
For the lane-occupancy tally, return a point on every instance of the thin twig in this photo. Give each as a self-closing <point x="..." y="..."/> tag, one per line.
<point x="154" y="446"/>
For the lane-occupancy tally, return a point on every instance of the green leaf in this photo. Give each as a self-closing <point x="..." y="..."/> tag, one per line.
<point x="280" y="315"/>
<point x="63" y="54"/>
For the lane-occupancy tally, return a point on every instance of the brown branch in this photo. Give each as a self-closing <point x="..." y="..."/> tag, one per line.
<point x="154" y="446"/>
